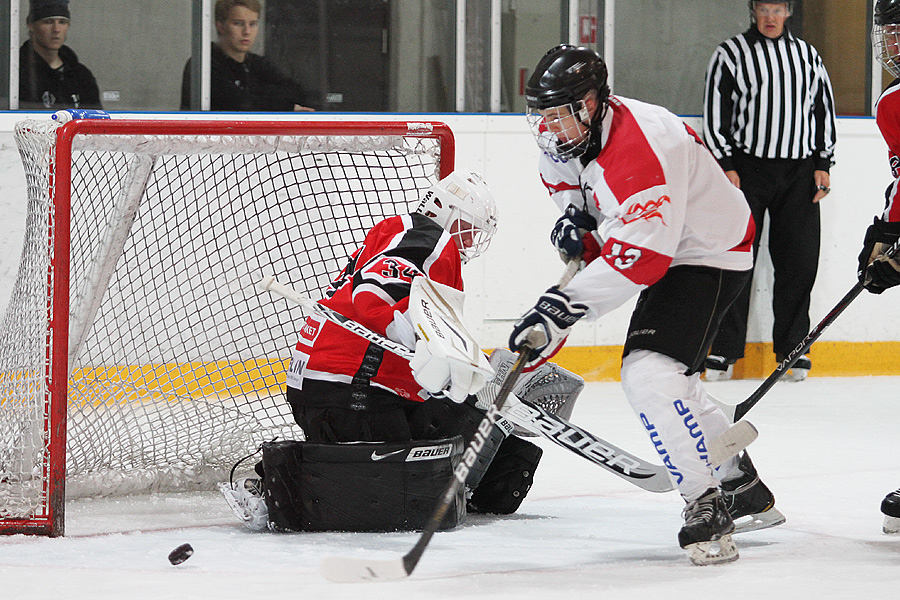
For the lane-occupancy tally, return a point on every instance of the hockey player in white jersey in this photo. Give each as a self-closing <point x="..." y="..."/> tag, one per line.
<point x="649" y="211"/>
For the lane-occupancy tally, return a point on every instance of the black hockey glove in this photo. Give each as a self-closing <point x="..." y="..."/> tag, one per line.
<point x="553" y="316"/>
<point x="877" y="271"/>
<point x="569" y="231"/>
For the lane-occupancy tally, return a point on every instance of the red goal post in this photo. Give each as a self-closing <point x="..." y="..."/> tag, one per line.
<point x="136" y="353"/>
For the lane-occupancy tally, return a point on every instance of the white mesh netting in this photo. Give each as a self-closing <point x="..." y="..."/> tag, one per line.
<point x="176" y="360"/>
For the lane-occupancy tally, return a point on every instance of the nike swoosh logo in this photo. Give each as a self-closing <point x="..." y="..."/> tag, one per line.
<point x="376" y="456"/>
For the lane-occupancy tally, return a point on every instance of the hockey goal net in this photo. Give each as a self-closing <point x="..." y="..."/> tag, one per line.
<point x="136" y="352"/>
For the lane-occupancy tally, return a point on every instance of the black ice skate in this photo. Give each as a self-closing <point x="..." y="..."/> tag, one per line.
<point x="750" y="503"/>
<point x="718" y="368"/>
<point x="706" y="533"/>
<point x="890" y="506"/>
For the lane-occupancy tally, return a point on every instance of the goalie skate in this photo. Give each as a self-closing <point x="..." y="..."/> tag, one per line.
<point x="246" y="501"/>
<point x="890" y="507"/>
<point x="750" y="503"/>
<point x="706" y="534"/>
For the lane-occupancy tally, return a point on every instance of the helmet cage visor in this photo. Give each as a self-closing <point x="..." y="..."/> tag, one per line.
<point x="563" y="131"/>
<point x="886" y="41"/>
<point x="471" y="233"/>
<point x="464" y="207"/>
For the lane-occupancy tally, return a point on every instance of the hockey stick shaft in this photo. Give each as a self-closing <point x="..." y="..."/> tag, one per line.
<point x="742" y="433"/>
<point x="270" y="284"/>
<point x="801" y="349"/>
<point x="472" y="453"/>
<point x="348" y="570"/>
<point x="811" y="337"/>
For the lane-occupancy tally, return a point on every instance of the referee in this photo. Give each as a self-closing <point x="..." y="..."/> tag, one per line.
<point x="768" y="117"/>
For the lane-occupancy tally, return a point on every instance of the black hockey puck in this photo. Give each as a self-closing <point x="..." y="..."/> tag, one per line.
<point x="180" y="554"/>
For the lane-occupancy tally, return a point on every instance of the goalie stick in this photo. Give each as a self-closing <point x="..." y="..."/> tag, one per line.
<point x="644" y="474"/>
<point x="349" y="570"/>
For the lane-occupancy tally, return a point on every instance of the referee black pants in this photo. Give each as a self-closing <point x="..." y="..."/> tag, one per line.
<point x="783" y="189"/>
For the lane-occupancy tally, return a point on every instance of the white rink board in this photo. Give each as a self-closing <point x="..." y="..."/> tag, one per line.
<point x="520" y="263"/>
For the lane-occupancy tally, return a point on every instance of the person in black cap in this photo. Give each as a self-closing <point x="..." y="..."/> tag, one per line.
<point x="50" y="76"/>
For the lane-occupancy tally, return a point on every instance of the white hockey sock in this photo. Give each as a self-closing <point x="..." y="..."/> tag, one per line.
<point x="678" y="416"/>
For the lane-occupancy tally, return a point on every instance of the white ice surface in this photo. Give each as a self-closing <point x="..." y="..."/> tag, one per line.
<point x="828" y="448"/>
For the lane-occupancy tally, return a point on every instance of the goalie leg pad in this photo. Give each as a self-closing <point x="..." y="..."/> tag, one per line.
<point x="508" y="479"/>
<point x="378" y="486"/>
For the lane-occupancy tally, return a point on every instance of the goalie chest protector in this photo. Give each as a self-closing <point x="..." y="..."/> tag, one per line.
<point x="365" y="486"/>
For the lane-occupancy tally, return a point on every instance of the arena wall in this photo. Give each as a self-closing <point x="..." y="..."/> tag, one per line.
<point x="521" y="264"/>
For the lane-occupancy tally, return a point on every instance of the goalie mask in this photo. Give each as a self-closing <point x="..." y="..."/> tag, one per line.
<point x="463" y="205"/>
<point x="886" y="35"/>
<point x="558" y="114"/>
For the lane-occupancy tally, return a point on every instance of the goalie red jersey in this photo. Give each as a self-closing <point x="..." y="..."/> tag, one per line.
<point x="373" y="285"/>
<point x="660" y="201"/>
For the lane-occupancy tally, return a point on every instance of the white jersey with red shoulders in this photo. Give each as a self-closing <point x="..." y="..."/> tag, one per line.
<point x="887" y="116"/>
<point x="660" y="199"/>
<point x="375" y="283"/>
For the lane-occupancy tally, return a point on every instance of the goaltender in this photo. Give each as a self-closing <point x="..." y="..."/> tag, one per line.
<point x="345" y="391"/>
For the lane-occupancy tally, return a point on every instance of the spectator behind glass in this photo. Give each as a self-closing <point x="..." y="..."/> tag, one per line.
<point x="50" y="75"/>
<point x="241" y="80"/>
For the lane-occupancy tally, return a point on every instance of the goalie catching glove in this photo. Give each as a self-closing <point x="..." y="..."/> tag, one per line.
<point x="877" y="271"/>
<point x="441" y="375"/>
<point x="552" y="317"/>
<point x="448" y="361"/>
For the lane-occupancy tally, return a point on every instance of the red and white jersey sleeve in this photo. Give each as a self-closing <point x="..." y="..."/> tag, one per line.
<point x="661" y="200"/>
<point x="374" y="284"/>
<point x="887" y="115"/>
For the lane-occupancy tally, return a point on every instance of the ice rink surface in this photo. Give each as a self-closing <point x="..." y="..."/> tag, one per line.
<point x="828" y="448"/>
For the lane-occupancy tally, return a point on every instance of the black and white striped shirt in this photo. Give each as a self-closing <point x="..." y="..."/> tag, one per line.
<point x="769" y="99"/>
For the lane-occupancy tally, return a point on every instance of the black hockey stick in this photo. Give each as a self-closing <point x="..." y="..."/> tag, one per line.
<point x="351" y="570"/>
<point x="801" y="348"/>
<point x="741" y="409"/>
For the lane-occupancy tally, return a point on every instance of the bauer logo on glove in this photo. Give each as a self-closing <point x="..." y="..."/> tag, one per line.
<point x="552" y="317"/>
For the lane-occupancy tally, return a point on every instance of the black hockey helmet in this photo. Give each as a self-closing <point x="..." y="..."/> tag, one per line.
<point x="887" y="12"/>
<point x="564" y="75"/>
<point x="559" y="84"/>
<point x="886" y="35"/>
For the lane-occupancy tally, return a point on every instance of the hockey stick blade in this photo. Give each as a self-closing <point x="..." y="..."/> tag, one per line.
<point x="648" y="476"/>
<point x="342" y="569"/>
<point x="731" y="442"/>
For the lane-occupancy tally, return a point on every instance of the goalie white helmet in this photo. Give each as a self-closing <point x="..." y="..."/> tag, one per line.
<point x="463" y="205"/>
